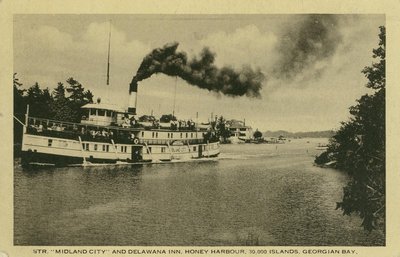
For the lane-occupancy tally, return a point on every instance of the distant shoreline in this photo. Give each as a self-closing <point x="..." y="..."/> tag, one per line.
<point x="311" y="134"/>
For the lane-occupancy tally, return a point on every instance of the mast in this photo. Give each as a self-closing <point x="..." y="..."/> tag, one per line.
<point x="108" y="56"/>
<point x="173" y="110"/>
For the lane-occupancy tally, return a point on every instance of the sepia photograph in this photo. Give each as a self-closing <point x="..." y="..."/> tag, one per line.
<point x="199" y="130"/>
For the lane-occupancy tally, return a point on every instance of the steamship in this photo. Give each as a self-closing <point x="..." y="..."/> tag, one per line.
<point x="108" y="134"/>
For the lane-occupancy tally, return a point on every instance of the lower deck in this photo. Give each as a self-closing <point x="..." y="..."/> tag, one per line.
<point x="61" y="151"/>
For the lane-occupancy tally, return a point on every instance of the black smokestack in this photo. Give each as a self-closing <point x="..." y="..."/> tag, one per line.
<point x="313" y="39"/>
<point x="132" y="98"/>
<point x="200" y="72"/>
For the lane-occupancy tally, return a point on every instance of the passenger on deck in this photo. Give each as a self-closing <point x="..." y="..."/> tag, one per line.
<point x="132" y="121"/>
<point x="183" y="124"/>
<point x="174" y="125"/>
<point x="93" y="133"/>
<point x="126" y="122"/>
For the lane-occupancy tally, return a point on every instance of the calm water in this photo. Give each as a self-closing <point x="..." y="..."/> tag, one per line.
<point x="266" y="193"/>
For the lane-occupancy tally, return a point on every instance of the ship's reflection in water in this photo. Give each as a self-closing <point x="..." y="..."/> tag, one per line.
<point x="253" y="195"/>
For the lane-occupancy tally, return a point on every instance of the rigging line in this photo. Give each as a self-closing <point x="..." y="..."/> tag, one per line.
<point x="18" y="120"/>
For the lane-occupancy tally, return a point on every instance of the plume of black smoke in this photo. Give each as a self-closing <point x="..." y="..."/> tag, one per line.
<point x="200" y="72"/>
<point x="314" y="39"/>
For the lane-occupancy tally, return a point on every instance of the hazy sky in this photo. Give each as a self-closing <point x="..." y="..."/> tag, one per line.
<point x="312" y="64"/>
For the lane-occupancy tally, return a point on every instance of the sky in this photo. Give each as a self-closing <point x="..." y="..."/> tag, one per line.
<point x="311" y="64"/>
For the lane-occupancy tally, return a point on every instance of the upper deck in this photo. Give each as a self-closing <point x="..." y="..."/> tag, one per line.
<point x="121" y="134"/>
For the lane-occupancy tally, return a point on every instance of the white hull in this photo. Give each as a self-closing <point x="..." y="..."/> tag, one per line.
<point x="60" y="151"/>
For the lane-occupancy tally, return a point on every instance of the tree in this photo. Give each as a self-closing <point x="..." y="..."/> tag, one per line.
<point x="19" y="111"/>
<point x="62" y="108"/>
<point x="257" y="134"/>
<point x="77" y="98"/>
<point x="358" y="147"/>
<point x="59" y="92"/>
<point x="76" y="91"/>
<point x="39" y="101"/>
<point x="221" y="129"/>
<point x="19" y="101"/>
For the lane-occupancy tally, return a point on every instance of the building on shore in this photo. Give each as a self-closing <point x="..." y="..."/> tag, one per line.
<point x="239" y="132"/>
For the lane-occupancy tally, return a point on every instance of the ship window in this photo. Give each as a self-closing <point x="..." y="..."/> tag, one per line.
<point x="172" y="135"/>
<point x="149" y="149"/>
<point x="168" y="135"/>
<point x="92" y="112"/>
<point x="186" y="135"/>
<point x="50" y="142"/>
<point x="122" y="148"/>
<point x="152" y="134"/>
<point x="156" y="134"/>
<point x="87" y="147"/>
<point x="181" y="135"/>
<point x="163" y="149"/>
<point x="142" y="133"/>
<point x="108" y="113"/>
<point x="95" y="147"/>
<point x="104" y="148"/>
<point x="101" y="112"/>
<point x="107" y="148"/>
<point x="194" y="149"/>
<point x="191" y="135"/>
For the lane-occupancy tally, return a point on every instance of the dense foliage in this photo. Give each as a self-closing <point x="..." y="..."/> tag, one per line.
<point x="223" y="132"/>
<point x="358" y="147"/>
<point x="257" y="134"/>
<point x="63" y="103"/>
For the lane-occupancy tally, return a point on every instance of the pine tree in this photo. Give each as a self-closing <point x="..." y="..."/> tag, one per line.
<point x="62" y="107"/>
<point x="39" y="101"/>
<point x="77" y="98"/>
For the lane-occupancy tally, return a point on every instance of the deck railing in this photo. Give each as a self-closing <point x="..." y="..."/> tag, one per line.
<point x="97" y="133"/>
